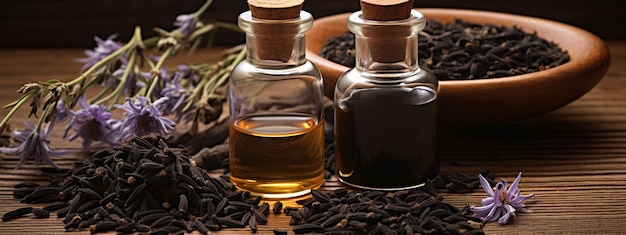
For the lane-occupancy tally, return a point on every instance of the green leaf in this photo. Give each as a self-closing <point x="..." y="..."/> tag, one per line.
<point x="50" y="82"/>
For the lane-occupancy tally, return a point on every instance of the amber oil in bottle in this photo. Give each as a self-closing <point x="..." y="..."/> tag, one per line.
<point x="277" y="154"/>
<point x="276" y="136"/>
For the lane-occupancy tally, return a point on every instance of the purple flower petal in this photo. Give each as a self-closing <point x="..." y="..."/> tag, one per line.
<point x="21" y="135"/>
<point x="502" y="202"/>
<point x="485" y="184"/>
<point x="92" y="123"/>
<point x="103" y="49"/>
<point x="186" y="24"/>
<point x="11" y="151"/>
<point x="508" y="212"/>
<point x="142" y="118"/>
<point x="482" y="211"/>
<point x="176" y="96"/>
<point x="35" y="146"/>
<point x="488" y="200"/>
<point x="498" y="193"/>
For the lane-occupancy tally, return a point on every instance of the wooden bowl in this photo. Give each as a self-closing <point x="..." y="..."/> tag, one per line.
<point x="494" y="100"/>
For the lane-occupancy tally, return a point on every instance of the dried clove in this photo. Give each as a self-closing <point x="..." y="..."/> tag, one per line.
<point x="14" y="214"/>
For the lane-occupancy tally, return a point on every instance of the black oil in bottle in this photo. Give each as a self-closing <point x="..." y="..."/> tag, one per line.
<point x="385" y="108"/>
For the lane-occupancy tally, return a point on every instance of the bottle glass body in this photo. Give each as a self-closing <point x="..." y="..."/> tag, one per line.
<point x="276" y="137"/>
<point x="385" y="109"/>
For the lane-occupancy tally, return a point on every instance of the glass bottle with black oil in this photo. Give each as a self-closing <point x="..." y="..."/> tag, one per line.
<point x="276" y="136"/>
<point x="385" y="108"/>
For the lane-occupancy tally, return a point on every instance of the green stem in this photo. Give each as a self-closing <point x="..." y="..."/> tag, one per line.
<point x="41" y="120"/>
<point x="202" y="8"/>
<point x="129" y="68"/>
<point x="226" y="72"/>
<point x="213" y="78"/>
<point x="99" y="95"/>
<point x="212" y="84"/>
<point x="120" y="86"/>
<point x="196" y="91"/>
<point x="132" y="43"/>
<point x="89" y="84"/>
<point x="157" y="74"/>
<point x="239" y="58"/>
<point x="15" y="108"/>
<point x="201" y="31"/>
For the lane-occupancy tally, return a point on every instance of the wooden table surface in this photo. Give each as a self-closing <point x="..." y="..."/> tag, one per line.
<point x="573" y="159"/>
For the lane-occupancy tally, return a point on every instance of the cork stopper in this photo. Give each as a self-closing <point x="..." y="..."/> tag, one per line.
<point x="275" y="41"/>
<point x="386" y="10"/>
<point x="387" y="45"/>
<point x="275" y="9"/>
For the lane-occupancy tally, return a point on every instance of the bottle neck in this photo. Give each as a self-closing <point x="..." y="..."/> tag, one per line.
<point x="386" y="47"/>
<point x="276" y="42"/>
<point x="276" y="50"/>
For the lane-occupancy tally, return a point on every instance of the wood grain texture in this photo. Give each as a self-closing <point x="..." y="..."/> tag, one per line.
<point x="572" y="159"/>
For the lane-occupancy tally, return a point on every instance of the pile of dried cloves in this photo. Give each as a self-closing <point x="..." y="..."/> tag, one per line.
<point x="418" y="211"/>
<point x="142" y="187"/>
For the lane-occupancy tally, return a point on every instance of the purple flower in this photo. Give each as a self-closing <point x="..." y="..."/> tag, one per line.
<point x="62" y="113"/>
<point x="163" y="79"/>
<point x="186" y="24"/>
<point x="142" y="118"/>
<point x="176" y="95"/>
<point x="187" y="72"/>
<point x="502" y="202"/>
<point x="131" y="85"/>
<point x="103" y="49"/>
<point x="93" y="123"/>
<point x="34" y="146"/>
<point x="184" y="70"/>
<point x="22" y="135"/>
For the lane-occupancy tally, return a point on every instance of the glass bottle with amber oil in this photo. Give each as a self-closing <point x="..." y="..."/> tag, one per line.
<point x="385" y="108"/>
<point x="276" y="136"/>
